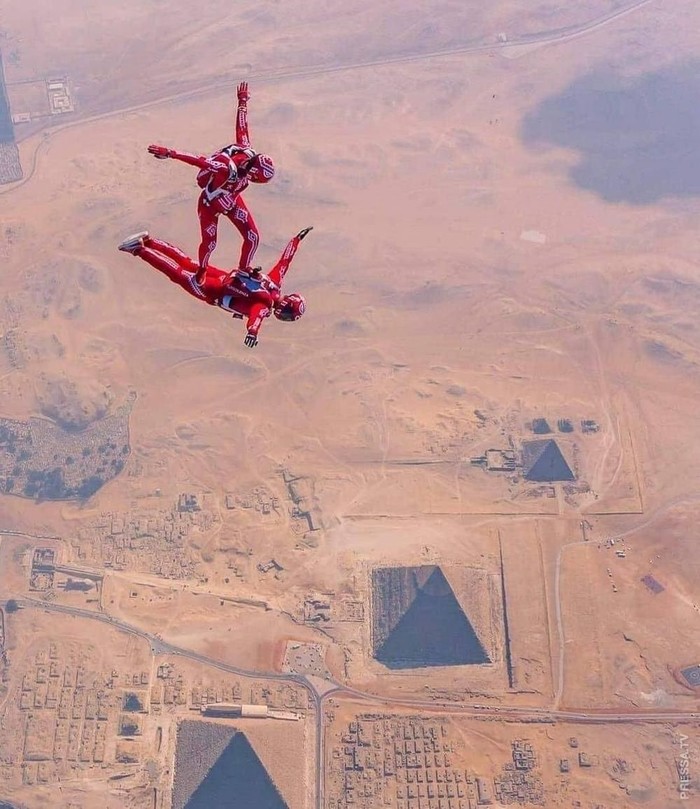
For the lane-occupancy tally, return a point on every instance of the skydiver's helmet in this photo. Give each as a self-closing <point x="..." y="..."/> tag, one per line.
<point x="290" y="307"/>
<point x="260" y="169"/>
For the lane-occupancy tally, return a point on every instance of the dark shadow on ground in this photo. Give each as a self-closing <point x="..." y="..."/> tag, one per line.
<point x="639" y="138"/>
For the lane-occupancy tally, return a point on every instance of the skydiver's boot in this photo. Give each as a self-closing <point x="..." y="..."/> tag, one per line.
<point x="132" y="244"/>
<point x="251" y="272"/>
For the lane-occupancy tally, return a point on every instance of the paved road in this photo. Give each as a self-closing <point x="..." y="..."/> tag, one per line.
<point x="160" y="646"/>
<point x="595" y="715"/>
<point x="11" y="533"/>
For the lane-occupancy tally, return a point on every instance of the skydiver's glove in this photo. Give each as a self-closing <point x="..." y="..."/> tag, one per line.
<point x="242" y="92"/>
<point x="303" y="233"/>
<point x="160" y="152"/>
<point x="251" y="340"/>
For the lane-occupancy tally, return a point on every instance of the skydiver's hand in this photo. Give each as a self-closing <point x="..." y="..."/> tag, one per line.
<point x="242" y="92"/>
<point x="303" y="233"/>
<point x="161" y="152"/>
<point x="251" y="340"/>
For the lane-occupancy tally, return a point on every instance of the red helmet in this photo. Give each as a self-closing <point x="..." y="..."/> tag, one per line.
<point x="290" y="307"/>
<point x="261" y="169"/>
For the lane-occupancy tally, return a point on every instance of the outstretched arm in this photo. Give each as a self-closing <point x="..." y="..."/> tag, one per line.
<point x="242" y="137"/>
<point x="278" y="272"/>
<point x="258" y="313"/>
<point x="163" y="152"/>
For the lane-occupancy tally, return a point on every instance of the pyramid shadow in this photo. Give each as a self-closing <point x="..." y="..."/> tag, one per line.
<point x="237" y="780"/>
<point x="544" y="462"/>
<point x="433" y="630"/>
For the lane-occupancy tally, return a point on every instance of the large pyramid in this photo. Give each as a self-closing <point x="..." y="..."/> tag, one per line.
<point x="216" y="766"/>
<point x="543" y="462"/>
<point x="418" y="622"/>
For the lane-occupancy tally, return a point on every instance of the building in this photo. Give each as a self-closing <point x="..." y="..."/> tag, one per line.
<point x="188" y="503"/>
<point x="60" y="101"/>
<point x="223" y="709"/>
<point x="584" y="760"/>
<point x="483" y="792"/>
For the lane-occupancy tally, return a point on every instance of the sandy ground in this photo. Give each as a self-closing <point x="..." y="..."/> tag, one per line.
<point x="501" y="234"/>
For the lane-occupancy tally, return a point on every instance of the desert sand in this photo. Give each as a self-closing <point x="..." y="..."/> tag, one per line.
<point x="505" y="203"/>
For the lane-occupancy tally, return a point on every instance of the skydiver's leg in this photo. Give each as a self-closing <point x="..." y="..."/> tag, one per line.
<point x="153" y="254"/>
<point x="213" y="278"/>
<point x="172" y="252"/>
<point x="278" y="272"/>
<point x="208" y="225"/>
<point x="243" y="221"/>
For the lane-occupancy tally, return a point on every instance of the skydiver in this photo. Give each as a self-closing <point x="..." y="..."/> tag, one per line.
<point x="243" y="293"/>
<point x="222" y="177"/>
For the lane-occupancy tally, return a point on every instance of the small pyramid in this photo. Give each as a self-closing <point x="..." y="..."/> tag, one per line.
<point x="216" y="766"/>
<point x="543" y="462"/>
<point x="430" y="628"/>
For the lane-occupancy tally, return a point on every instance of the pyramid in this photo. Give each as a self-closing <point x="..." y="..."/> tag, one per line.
<point x="216" y="766"/>
<point x="544" y="462"/>
<point x="420" y="622"/>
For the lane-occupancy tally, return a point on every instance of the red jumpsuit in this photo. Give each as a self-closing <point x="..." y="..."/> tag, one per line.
<point x="221" y="192"/>
<point x="244" y="295"/>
